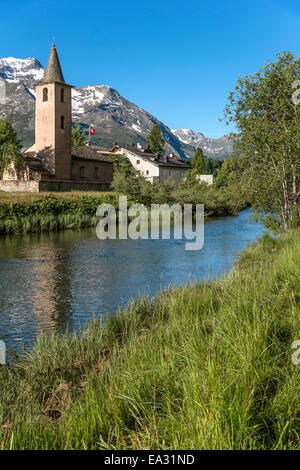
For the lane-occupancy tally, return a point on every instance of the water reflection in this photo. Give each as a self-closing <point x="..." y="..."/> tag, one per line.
<point x="50" y="282"/>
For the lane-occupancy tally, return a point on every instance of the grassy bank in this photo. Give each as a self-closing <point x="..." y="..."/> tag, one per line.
<point x="26" y="212"/>
<point x="206" y="366"/>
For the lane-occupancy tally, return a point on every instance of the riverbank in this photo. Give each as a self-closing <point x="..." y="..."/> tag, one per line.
<point x="207" y="366"/>
<point x="34" y="213"/>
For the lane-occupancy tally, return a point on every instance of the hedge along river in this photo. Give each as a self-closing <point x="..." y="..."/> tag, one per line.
<point x="58" y="281"/>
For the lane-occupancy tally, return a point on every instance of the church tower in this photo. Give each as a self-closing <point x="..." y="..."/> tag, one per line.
<point x="53" y="120"/>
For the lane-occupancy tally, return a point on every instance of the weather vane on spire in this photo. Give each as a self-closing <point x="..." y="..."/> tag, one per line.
<point x="53" y="40"/>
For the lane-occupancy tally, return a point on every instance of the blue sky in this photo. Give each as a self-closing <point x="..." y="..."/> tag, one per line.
<point x="176" y="59"/>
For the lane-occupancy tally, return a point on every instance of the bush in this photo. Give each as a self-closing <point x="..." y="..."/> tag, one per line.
<point x="50" y="213"/>
<point x="217" y="201"/>
<point x="52" y="205"/>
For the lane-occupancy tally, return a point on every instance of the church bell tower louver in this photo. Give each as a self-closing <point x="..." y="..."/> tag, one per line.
<point x="53" y="120"/>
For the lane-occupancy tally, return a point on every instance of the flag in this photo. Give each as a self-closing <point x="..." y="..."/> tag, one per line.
<point x="92" y="130"/>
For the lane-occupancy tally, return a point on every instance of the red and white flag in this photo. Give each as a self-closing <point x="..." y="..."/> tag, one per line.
<point x="92" y="130"/>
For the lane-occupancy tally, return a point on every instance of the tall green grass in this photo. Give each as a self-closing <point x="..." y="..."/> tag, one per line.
<point x="205" y="366"/>
<point x="46" y="223"/>
<point x="26" y="213"/>
<point x="40" y="212"/>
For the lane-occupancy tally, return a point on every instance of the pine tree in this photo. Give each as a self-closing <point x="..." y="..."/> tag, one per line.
<point x="155" y="140"/>
<point x="78" y="136"/>
<point x="222" y="178"/>
<point x="198" y="163"/>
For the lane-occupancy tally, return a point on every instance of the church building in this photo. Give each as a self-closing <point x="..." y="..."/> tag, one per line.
<point x="52" y="163"/>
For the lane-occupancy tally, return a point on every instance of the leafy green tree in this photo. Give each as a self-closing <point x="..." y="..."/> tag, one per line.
<point x="78" y="136"/>
<point x="212" y="166"/>
<point x="127" y="180"/>
<point x="10" y="148"/>
<point x="268" y="141"/>
<point x="223" y="176"/>
<point x="124" y="178"/>
<point x="155" y="140"/>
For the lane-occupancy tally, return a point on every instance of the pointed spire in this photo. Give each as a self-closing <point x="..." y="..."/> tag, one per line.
<point x="53" y="72"/>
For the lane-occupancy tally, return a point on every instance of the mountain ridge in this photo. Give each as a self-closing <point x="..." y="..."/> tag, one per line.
<point x="215" y="148"/>
<point x="114" y="118"/>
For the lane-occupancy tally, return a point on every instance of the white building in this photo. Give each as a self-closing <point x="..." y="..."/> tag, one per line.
<point x="208" y="179"/>
<point x="153" y="166"/>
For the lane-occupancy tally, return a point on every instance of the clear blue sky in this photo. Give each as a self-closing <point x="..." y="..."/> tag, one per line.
<point x="176" y="59"/>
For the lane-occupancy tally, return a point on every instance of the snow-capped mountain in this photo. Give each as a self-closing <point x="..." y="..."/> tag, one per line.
<point x="216" y="148"/>
<point x="114" y="118"/>
<point x="117" y="119"/>
<point x="189" y="137"/>
<point x="27" y="71"/>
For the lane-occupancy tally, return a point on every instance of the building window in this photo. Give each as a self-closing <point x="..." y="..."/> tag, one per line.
<point x="81" y="171"/>
<point x="147" y="172"/>
<point x="45" y="94"/>
<point x="138" y="162"/>
<point x="62" y="122"/>
<point x="96" y="172"/>
<point x="62" y="95"/>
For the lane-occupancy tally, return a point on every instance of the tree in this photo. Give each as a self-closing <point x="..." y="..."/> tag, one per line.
<point x="155" y="140"/>
<point x="124" y="177"/>
<point x="268" y="141"/>
<point x="198" y="167"/>
<point x="78" y="136"/>
<point x="198" y="163"/>
<point x="10" y="148"/>
<point x="212" y="166"/>
<point x="127" y="180"/>
<point x="223" y="175"/>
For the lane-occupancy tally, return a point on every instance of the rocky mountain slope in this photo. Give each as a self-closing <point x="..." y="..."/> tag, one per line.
<point x="27" y="71"/>
<point x="118" y="120"/>
<point x="215" y="148"/>
<point x="114" y="118"/>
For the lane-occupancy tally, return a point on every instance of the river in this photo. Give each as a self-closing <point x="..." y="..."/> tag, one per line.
<point x="58" y="281"/>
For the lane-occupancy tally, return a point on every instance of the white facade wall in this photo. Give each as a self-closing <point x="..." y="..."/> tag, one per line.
<point x="147" y="169"/>
<point x="10" y="173"/>
<point x="152" y="171"/>
<point x="208" y="179"/>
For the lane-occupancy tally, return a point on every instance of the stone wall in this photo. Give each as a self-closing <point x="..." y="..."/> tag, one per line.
<point x="65" y="186"/>
<point x="87" y="174"/>
<point x="19" y="185"/>
<point x="49" y="186"/>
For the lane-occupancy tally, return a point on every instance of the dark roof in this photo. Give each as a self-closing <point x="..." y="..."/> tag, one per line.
<point x="36" y="164"/>
<point x="91" y="154"/>
<point x="156" y="159"/>
<point x="53" y="72"/>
